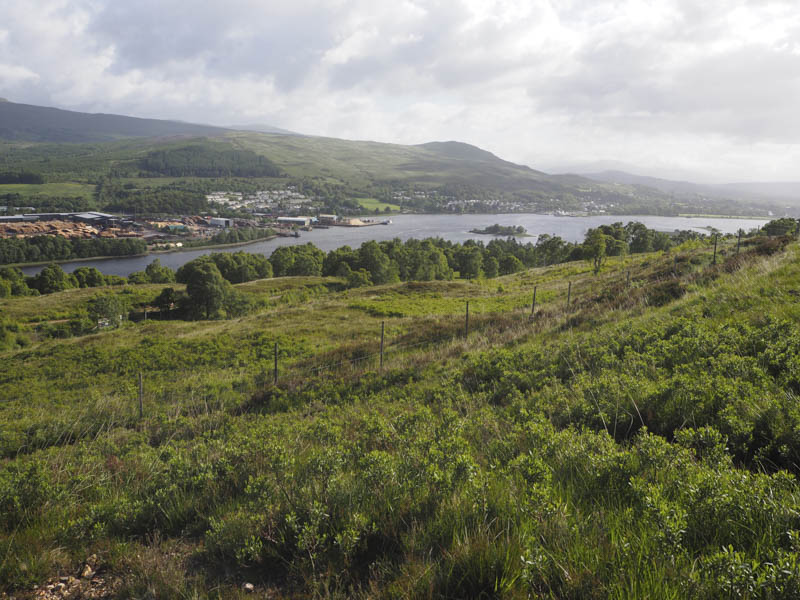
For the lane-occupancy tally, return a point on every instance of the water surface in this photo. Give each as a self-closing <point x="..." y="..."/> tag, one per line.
<point x="455" y="228"/>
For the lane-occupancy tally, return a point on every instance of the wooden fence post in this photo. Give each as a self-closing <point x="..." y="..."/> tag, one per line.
<point x="382" y="331"/>
<point x="466" y="321"/>
<point x="141" y="396"/>
<point x="715" y="249"/>
<point x="533" y="304"/>
<point x="738" y="241"/>
<point x="275" y="368"/>
<point x="569" y="293"/>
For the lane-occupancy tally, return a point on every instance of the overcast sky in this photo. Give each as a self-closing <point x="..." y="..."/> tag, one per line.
<point x="676" y="87"/>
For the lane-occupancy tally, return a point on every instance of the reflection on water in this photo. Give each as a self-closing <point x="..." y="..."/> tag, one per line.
<point x="455" y="228"/>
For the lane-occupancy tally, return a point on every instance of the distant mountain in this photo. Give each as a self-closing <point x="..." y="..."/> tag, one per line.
<point x="768" y="189"/>
<point x="262" y="129"/>
<point x="601" y="166"/>
<point x="25" y="122"/>
<point x="460" y="174"/>
<point x="788" y="192"/>
<point x="665" y="185"/>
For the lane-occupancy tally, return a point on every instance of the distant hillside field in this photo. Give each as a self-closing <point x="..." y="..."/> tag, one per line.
<point x="47" y="189"/>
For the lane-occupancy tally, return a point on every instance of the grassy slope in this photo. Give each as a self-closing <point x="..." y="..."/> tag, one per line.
<point x="360" y="163"/>
<point x="370" y="204"/>
<point x="357" y="165"/>
<point x="48" y="189"/>
<point x="502" y="464"/>
<point x="355" y="162"/>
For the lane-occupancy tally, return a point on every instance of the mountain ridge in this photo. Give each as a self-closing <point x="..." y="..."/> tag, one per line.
<point x="31" y="123"/>
<point x="753" y="191"/>
<point x="451" y="169"/>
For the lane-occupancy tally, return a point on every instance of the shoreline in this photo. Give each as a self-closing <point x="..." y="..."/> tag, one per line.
<point x="533" y="217"/>
<point x="149" y="253"/>
<point x="208" y="246"/>
<point x="505" y="235"/>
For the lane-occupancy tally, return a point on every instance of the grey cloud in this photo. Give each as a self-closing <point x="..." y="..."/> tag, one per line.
<point x="748" y="92"/>
<point x="578" y="75"/>
<point x="237" y="38"/>
<point x="444" y="52"/>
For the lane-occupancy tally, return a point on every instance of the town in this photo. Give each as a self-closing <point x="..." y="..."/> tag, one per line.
<point x="164" y="232"/>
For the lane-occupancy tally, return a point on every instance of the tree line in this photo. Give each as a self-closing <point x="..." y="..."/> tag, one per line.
<point x="115" y="196"/>
<point x="50" y="247"/>
<point x="41" y="203"/>
<point x="202" y="161"/>
<point x="21" y="177"/>
<point x="209" y="279"/>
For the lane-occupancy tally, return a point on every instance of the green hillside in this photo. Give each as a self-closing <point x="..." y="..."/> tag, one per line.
<point x="641" y="441"/>
<point x="25" y="122"/>
<point x="111" y="152"/>
<point x="373" y="163"/>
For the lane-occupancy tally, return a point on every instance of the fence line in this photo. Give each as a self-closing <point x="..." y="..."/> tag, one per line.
<point x="479" y="323"/>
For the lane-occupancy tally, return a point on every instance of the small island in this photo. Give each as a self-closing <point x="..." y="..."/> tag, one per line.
<point x="497" y="229"/>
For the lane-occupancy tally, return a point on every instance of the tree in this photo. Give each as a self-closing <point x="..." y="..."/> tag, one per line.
<point x="335" y="258"/>
<point x="379" y="266"/>
<point x="490" y="267"/>
<point x="240" y="267"/>
<point x="595" y="249"/>
<point x="469" y="260"/>
<point x="52" y="279"/>
<point x="552" y="249"/>
<point x="138" y="277"/>
<point x="510" y="264"/>
<point x="782" y="226"/>
<point x="358" y="278"/>
<point x="157" y="273"/>
<point x="166" y="300"/>
<point x="89" y="277"/>
<point x="307" y="261"/>
<point x="206" y="289"/>
<point x="110" y="308"/>
<point x="15" y="279"/>
<point x="208" y="294"/>
<point x="282" y="260"/>
<point x="343" y="270"/>
<point x="432" y="263"/>
<point x="641" y="238"/>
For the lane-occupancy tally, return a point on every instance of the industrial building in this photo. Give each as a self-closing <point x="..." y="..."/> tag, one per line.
<point x="295" y="221"/>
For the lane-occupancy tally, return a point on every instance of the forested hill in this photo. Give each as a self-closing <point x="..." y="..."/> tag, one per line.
<point x="122" y="151"/>
<point x="25" y="122"/>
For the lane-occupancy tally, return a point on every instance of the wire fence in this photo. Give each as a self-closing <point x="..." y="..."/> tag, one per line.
<point x="573" y="296"/>
<point x="565" y="299"/>
<point x="456" y="327"/>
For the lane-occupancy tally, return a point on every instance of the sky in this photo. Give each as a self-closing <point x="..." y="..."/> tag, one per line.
<point x="676" y="88"/>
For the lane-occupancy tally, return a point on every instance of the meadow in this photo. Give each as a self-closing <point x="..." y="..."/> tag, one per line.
<point x="63" y="189"/>
<point x="640" y="441"/>
<point x="373" y="204"/>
